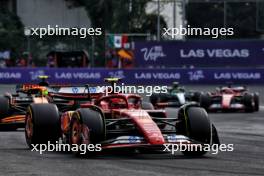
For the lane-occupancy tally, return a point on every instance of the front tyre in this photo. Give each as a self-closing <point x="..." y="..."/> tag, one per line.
<point x="4" y="107"/>
<point x="42" y="124"/>
<point x="196" y="125"/>
<point x="87" y="127"/>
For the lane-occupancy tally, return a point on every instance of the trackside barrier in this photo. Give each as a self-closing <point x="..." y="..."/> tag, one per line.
<point x="200" y="53"/>
<point x="134" y="76"/>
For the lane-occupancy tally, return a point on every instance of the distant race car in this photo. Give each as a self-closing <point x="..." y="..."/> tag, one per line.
<point x="118" y="121"/>
<point x="230" y="98"/>
<point x="13" y="106"/>
<point x="176" y="97"/>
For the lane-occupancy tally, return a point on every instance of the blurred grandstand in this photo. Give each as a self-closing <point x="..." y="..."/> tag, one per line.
<point x="129" y="21"/>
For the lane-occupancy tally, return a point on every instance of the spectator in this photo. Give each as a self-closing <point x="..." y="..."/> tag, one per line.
<point x="22" y="62"/>
<point x="2" y="63"/>
<point x="51" y="61"/>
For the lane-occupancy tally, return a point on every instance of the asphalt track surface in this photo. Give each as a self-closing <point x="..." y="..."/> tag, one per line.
<point x="244" y="130"/>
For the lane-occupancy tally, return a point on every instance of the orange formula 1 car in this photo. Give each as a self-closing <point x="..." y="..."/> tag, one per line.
<point x="13" y="106"/>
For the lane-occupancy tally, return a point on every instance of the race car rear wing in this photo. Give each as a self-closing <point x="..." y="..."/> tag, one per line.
<point x="77" y="92"/>
<point x="66" y="96"/>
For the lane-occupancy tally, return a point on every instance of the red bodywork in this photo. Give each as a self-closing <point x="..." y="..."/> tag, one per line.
<point x="225" y="98"/>
<point x="127" y="107"/>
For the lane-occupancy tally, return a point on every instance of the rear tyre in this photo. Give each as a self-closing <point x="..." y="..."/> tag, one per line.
<point x="158" y="98"/>
<point x="153" y="99"/>
<point x="42" y="124"/>
<point x="196" y="96"/>
<point x="248" y="102"/>
<point x="205" y="101"/>
<point x="87" y="127"/>
<point x="197" y="126"/>
<point x="147" y="106"/>
<point x="4" y="107"/>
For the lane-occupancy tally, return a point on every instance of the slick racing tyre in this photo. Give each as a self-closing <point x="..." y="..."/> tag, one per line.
<point x="147" y="106"/>
<point x="196" y="125"/>
<point x="205" y="101"/>
<point x="4" y="107"/>
<point x="87" y="127"/>
<point x="196" y="96"/>
<point x="158" y="98"/>
<point x="256" y="101"/>
<point x="42" y="124"/>
<point x="248" y="102"/>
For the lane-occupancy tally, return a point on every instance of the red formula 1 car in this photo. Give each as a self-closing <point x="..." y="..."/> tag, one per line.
<point x="118" y="121"/>
<point x="230" y="99"/>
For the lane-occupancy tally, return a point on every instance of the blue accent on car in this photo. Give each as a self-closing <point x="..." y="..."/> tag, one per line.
<point x="75" y="89"/>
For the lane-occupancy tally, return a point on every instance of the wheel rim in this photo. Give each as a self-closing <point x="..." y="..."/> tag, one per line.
<point x="29" y="126"/>
<point x="85" y="135"/>
<point x="75" y="132"/>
